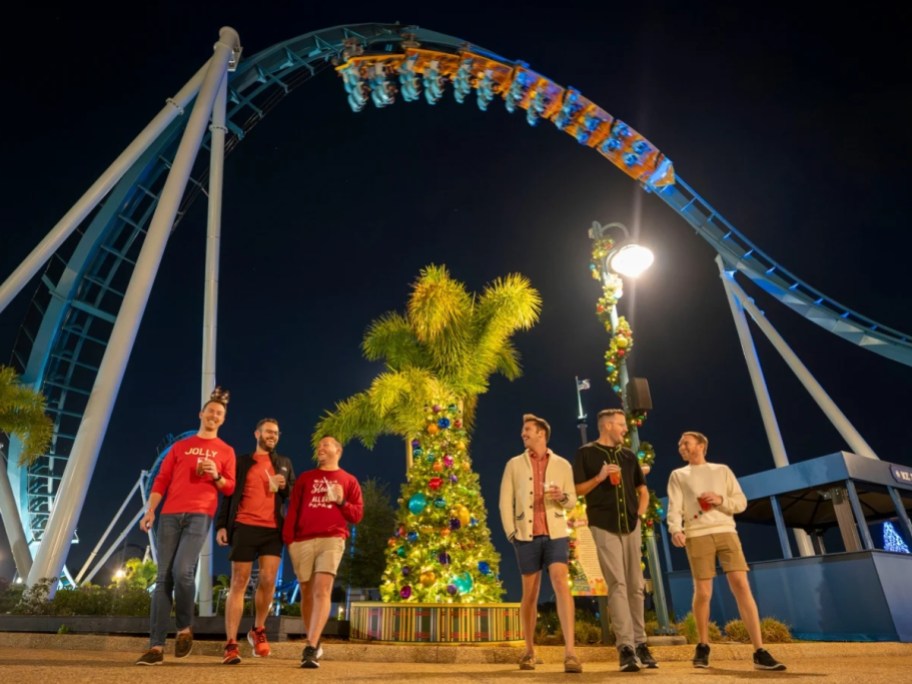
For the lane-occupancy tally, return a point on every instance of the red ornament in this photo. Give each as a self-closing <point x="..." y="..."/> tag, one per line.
<point x="434" y="483"/>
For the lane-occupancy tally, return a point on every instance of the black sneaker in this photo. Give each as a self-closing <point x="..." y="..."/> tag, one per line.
<point x="151" y="657"/>
<point x="701" y="656"/>
<point x="628" y="660"/>
<point x="764" y="661"/>
<point x="645" y="657"/>
<point x="309" y="657"/>
<point x="184" y="644"/>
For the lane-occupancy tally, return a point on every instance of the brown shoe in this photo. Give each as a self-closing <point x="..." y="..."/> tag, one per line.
<point x="184" y="644"/>
<point x="572" y="664"/>
<point x="527" y="662"/>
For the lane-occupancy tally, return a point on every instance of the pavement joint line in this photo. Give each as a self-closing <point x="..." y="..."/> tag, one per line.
<point x="459" y="652"/>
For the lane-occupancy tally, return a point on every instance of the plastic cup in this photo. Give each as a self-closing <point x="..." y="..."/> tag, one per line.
<point x="614" y="477"/>
<point x="199" y="464"/>
<point x="705" y="504"/>
<point x="273" y="483"/>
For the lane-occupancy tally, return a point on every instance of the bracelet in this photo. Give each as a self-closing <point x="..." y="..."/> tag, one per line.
<point x="218" y="479"/>
<point x="340" y="503"/>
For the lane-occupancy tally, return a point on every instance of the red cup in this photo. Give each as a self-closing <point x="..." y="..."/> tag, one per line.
<point x="705" y="504"/>
<point x="615" y="477"/>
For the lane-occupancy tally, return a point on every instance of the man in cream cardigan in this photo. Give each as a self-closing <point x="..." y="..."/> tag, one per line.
<point x="702" y="501"/>
<point x="535" y="494"/>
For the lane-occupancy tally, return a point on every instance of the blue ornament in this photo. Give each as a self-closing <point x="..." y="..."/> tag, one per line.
<point x="484" y="568"/>
<point x="443" y="558"/>
<point x="472" y="522"/>
<point x="413" y="537"/>
<point x="443" y="423"/>
<point x="417" y="451"/>
<point x="417" y="503"/>
<point x="454" y="524"/>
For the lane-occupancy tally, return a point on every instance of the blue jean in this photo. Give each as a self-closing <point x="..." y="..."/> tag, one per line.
<point x="180" y="540"/>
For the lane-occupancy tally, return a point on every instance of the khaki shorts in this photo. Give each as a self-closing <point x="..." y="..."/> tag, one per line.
<point x="322" y="554"/>
<point x="703" y="551"/>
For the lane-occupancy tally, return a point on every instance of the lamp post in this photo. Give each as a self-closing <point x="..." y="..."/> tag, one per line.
<point x="627" y="258"/>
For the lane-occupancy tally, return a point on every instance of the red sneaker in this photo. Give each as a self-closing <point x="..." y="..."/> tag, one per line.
<point x="257" y="639"/>
<point x="232" y="655"/>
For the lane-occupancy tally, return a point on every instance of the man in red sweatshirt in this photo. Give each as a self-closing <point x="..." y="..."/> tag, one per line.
<point x="190" y="478"/>
<point x="324" y="502"/>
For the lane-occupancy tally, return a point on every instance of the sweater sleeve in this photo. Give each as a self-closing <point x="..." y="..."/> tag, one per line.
<point x="352" y="508"/>
<point x="506" y="502"/>
<point x="733" y="500"/>
<point x="675" y="517"/>
<point x="291" y="517"/>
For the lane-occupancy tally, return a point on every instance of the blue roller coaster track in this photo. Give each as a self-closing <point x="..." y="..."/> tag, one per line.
<point x="71" y="316"/>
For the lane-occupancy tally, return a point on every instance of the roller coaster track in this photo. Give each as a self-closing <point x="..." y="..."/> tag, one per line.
<point x="70" y="317"/>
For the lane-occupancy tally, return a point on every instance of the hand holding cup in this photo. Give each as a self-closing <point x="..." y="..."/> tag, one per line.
<point x="614" y="474"/>
<point x="552" y="491"/>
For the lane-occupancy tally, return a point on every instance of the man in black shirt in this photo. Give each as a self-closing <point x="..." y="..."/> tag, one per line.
<point x="609" y="476"/>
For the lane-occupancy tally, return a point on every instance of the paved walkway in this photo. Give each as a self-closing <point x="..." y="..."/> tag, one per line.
<point x="48" y="659"/>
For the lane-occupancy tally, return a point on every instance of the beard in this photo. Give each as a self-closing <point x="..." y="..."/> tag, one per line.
<point x="265" y="446"/>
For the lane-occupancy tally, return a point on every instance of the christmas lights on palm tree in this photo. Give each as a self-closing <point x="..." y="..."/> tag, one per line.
<point x="439" y="357"/>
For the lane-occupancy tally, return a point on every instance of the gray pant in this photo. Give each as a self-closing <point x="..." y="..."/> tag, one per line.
<point x="619" y="558"/>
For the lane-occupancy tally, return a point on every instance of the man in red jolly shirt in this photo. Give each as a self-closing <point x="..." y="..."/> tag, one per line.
<point x="324" y="502"/>
<point x="189" y="480"/>
<point x="250" y="520"/>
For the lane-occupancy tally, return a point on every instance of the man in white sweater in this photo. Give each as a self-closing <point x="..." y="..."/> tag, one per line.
<point x="703" y="499"/>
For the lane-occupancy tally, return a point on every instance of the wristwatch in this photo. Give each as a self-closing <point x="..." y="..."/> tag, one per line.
<point x="218" y="478"/>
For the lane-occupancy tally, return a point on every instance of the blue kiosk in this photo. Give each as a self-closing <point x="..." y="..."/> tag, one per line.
<point x="849" y="590"/>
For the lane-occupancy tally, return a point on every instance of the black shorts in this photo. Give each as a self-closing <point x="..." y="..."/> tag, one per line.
<point x="248" y="542"/>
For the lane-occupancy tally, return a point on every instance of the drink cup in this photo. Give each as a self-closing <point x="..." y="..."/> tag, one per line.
<point x="705" y="504"/>
<point x="614" y="477"/>
<point x="330" y="491"/>
<point x="199" y="464"/>
<point x="273" y="483"/>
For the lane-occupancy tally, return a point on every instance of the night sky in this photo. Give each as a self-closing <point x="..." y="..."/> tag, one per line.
<point x="797" y="134"/>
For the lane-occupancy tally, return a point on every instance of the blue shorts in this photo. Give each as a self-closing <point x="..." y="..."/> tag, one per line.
<point x="536" y="555"/>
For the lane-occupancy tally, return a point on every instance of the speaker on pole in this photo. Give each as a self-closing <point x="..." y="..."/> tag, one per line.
<point x="638" y="397"/>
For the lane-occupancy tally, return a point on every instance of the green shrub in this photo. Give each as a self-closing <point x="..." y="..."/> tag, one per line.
<point x="89" y="599"/>
<point x="772" y="631"/>
<point x="10" y="598"/>
<point x="736" y="631"/>
<point x="688" y="628"/>
<point x="587" y="633"/>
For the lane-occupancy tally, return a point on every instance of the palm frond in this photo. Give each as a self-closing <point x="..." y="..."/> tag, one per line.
<point x="22" y="413"/>
<point x="390" y="338"/>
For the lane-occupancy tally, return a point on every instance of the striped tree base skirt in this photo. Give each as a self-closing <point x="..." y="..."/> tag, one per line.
<point x="435" y="623"/>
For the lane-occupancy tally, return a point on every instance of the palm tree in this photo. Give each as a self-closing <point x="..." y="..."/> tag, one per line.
<point x="439" y="357"/>
<point x="22" y="414"/>
<point x="445" y="348"/>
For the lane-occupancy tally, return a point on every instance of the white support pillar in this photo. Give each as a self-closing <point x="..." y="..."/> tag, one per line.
<point x="58" y="535"/>
<point x="12" y="522"/>
<point x="855" y="441"/>
<point x="210" y="307"/>
<point x="773" y="434"/>
<point x="99" y="189"/>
